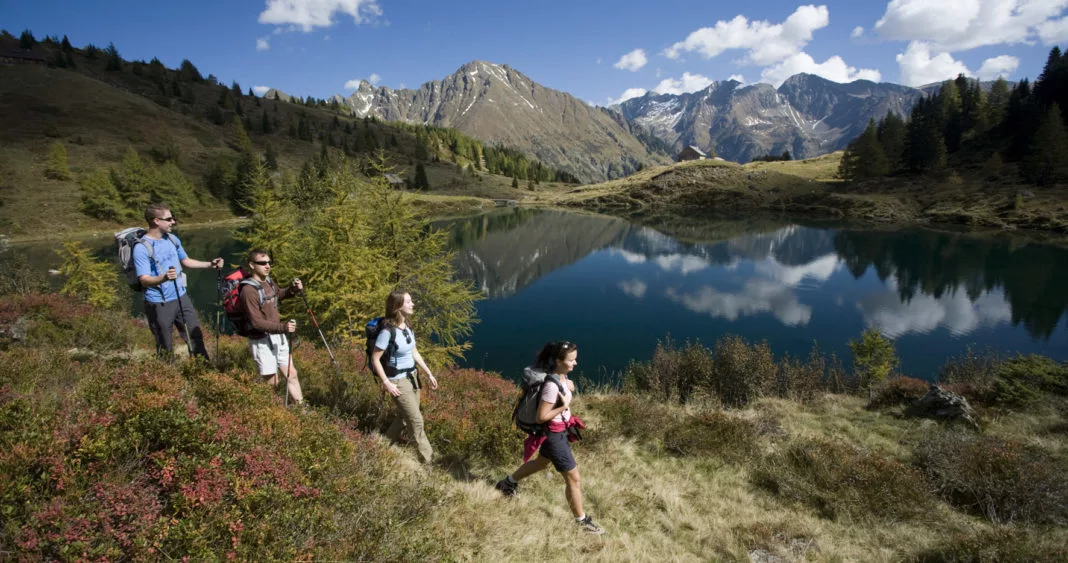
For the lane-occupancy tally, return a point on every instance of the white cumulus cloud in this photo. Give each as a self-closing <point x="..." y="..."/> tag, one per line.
<point x="919" y="67"/>
<point x="737" y="78"/>
<point x="354" y="84"/>
<point x="628" y="94"/>
<point x="959" y="25"/>
<point x="834" y="69"/>
<point x="688" y="83"/>
<point x="262" y="44"/>
<point x="857" y="32"/>
<point x="635" y="288"/>
<point x="1053" y="31"/>
<point x="757" y="297"/>
<point x="764" y="42"/>
<point x="309" y="14"/>
<point x="1000" y="66"/>
<point x="924" y="313"/>
<point x="632" y="61"/>
<point x="260" y="90"/>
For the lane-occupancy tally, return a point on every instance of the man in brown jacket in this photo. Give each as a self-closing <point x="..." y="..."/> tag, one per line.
<point x="266" y="338"/>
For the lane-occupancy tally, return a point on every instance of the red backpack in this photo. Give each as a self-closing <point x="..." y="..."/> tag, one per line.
<point x="230" y="292"/>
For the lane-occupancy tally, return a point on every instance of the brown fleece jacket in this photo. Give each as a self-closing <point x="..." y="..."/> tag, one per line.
<point x="264" y="320"/>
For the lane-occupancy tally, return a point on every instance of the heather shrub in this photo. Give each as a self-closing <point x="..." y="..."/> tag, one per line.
<point x="1003" y="544"/>
<point x="801" y="381"/>
<point x="972" y="374"/>
<point x="630" y="416"/>
<point x="840" y="481"/>
<point x="712" y="433"/>
<point x="55" y="320"/>
<point x="1002" y="480"/>
<point x="898" y="391"/>
<point x="677" y="374"/>
<point x="148" y="460"/>
<point x="469" y="417"/>
<point x="743" y="373"/>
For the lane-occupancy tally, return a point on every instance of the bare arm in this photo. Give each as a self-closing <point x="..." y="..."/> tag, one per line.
<point x="546" y="412"/>
<point x="200" y="264"/>
<point x="376" y="364"/>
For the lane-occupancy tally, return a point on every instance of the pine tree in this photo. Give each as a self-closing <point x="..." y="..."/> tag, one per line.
<point x="949" y="114"/>
<point x="997" y="101"/>
<point x="99" y="197"/>
<point x="864" y="157"/>
<point x="421" y="182"/>
<point x="1047" y="160"/>
<point x="270" y="159"/>
<point x="114" y="61"/>
<point x="134" y="180"/>
<point x="26" y="40"/>
<point x="515" y="181"/>
<point x="189" y="73"/>
<point x="66" y="46"/>
<point x="235" y="89"/>
<point x="57" y="168"/>
<point x="265" y="124"/>
<point x="891" y="133"/>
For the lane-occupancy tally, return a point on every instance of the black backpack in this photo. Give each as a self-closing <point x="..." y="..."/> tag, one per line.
<point x="370" y="331"/>
<point x="525" y="413"/>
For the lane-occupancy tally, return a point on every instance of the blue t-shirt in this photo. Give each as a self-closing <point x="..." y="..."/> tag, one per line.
<point x="403" y="357"/>
<point x="166" y="254"/>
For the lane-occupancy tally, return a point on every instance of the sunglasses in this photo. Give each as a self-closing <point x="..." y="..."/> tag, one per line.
<point x="170" y="219"/>
<point x="407" y="335"/>
<point x="262" y="262"/>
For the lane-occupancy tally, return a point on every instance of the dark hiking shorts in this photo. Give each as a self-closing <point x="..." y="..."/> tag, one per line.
<point x="556" y="449"/>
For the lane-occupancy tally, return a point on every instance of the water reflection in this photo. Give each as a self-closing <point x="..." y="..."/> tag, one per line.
<point x="936" y="292"/>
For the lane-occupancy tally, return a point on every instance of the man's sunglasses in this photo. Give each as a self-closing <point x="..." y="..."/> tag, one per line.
<point x="170" y="219"/>
<point x="262" y="262"/>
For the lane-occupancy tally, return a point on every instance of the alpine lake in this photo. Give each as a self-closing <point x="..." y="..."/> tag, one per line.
<point x="616" y="287"/>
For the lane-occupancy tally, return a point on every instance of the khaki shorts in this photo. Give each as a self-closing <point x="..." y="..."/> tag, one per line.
<point x="270" y="353"/>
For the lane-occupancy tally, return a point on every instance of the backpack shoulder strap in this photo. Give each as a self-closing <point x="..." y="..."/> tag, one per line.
<point x="145" y="242"/>
<point x="255" y="284"/>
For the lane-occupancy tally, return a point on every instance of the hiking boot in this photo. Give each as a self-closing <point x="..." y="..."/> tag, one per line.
<point x="589" y="526"/>
<point x="507" y="489"/>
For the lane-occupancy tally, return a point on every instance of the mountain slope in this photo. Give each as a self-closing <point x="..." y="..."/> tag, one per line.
<point x="498" y="104"/>
<point x="807" y="115"/>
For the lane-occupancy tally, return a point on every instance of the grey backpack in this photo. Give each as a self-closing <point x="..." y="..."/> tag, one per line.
<point x="525" y="414"/>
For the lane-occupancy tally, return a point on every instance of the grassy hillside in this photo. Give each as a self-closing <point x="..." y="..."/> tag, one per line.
<point x="113" y="454"/>
<point x="97" y="115"/>
<point x="810" y="187"/>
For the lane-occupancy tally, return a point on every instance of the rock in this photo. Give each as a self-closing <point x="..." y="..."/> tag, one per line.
<point x="1026" y="194"/>
<point x="761" y="556"/>
<point x="939" y="404"/>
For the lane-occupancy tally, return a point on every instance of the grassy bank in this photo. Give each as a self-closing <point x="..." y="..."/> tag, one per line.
<point x="809" y="187"/>
<point x="112" y="454"/>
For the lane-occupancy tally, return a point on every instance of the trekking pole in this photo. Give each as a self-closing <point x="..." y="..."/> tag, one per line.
<point x="218" y="308"/>
<point x="289" y="367"/>
<point x="185" y="326"/>
<point x="321" y="335"/>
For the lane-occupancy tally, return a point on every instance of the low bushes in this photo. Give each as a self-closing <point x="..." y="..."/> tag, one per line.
<point x="899" y="391"/>
<point x="54" y="320"/>
<point x="839" y="481"/>
<point x="711" y="434"/>
<point x="734" y="374"/>
<point x="1003" y="544"/>
<point x="149" y="460"/>
<point x="1002" y="480"/>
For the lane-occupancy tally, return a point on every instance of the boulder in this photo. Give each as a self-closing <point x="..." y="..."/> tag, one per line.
<point x="939" y="404"/>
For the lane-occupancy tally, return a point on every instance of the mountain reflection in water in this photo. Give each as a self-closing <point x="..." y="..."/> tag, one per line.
<point x="617" y="287"/>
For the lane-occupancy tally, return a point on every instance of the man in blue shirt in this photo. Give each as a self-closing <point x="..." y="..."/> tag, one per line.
<point x="158" y="275"/>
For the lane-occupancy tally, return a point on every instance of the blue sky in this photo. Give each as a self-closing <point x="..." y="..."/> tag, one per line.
<point x="598" y="51"/>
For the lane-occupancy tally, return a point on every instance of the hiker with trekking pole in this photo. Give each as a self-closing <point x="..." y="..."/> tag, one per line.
<point x="544" y="412"/>
<point x="268" y="336"/>
<point x="153" y="260"/>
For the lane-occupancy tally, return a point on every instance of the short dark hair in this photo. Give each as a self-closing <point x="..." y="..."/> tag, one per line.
<point x="153" y="211"/>
<point x="252" y="254"/>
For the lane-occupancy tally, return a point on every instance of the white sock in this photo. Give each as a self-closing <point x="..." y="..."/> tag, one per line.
<point x="511" y="480"/>
<point x="580" y="518"/>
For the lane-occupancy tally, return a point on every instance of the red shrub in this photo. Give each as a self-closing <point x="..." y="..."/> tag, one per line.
<point x="899" y="391"/>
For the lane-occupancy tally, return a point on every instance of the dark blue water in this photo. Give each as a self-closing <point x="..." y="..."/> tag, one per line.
<point x="615" y="288"/>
